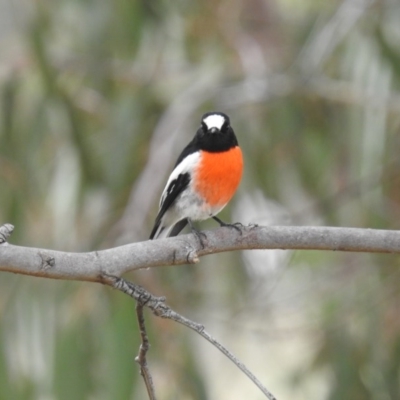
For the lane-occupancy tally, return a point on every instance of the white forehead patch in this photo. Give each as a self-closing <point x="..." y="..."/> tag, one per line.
<point x="214" y="121"/>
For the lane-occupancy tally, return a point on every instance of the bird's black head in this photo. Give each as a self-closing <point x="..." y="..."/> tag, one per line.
<point x="216" y="133"/>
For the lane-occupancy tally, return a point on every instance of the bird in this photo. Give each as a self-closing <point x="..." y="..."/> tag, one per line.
<point x="204" y="179"/>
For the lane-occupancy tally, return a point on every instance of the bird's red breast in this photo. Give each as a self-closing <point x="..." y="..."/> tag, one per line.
<point x="218" y="175"/>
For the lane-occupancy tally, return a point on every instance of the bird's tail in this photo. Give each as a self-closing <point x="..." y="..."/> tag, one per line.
<point x="157" y="230"/>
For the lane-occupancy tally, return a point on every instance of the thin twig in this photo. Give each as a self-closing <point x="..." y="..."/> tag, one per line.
<point x="171" y="314"/>
<point x="159" y="308"/>
<point x="143" y="349"/>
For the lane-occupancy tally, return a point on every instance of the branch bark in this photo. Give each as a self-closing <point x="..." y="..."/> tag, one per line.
<point x="186" y="249"/>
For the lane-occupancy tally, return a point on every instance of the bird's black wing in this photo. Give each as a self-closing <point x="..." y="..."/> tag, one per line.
<point x="174" y="189"/>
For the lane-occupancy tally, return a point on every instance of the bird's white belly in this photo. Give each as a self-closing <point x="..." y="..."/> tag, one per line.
<point x="189" y="205"/>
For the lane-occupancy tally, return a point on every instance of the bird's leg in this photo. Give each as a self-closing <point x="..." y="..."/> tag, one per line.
<point x="236" y="225"/>
<point x="200" y="235"/>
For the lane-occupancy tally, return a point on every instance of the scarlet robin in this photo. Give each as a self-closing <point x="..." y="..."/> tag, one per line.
<point x="204" y="179"/>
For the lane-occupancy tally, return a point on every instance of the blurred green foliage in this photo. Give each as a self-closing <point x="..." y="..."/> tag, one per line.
<point x="97" y="98"/>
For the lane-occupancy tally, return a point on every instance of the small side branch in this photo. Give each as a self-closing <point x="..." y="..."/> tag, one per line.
<point x="160" y="309"/>
<point x="202" y="332"/>
<point x="143" y="349"/>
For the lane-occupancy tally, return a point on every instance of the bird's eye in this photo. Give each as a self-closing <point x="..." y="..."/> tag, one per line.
<point x="204" y="126"/>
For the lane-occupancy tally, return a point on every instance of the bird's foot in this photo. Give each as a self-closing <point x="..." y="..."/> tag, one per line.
<point x="237" y="225"/>
<point x="200" y="235"/>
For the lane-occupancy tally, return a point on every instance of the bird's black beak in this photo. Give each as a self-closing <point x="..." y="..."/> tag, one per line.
<point x="214" y="130"/>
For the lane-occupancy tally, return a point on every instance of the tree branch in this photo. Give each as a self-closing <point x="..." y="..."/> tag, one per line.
<point x="186" y="249"/>
<point x="107" y="265"/>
